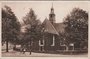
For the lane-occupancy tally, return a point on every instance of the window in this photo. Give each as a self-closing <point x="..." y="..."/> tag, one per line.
<point x="41" y="42"/>
<point x="53" y="43"/>
<point x="62" y="43"/>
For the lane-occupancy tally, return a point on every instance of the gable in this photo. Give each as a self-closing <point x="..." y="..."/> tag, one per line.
<point x="48" y="27"/>
<point x="60" y="27"/>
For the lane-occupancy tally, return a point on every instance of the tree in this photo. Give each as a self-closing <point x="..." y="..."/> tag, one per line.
<point x="76" y="30"/>
<point x="10" y="26"/>
<point x="33" y="27"/>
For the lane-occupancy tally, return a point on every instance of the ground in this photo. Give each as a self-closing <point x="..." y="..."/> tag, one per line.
<point x="12" y="53"/>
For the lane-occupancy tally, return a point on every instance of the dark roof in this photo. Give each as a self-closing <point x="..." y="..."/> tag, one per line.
<point x="55" y="28"/>
<point x="60" y="27"/>
<point x="48" y="27"/>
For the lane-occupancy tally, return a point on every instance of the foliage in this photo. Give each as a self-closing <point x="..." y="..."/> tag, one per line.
<point x="77" y="28"/>
<point x="10" y="25"/>
<point x="33" y="26"/>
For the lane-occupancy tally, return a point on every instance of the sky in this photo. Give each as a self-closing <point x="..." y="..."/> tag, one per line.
<point x="42" y="9"/>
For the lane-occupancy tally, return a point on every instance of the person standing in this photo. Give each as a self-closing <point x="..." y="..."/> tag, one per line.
<point x="30" y="47"/>
<point x="30" y="50"/>
<point x="24" y="49"/>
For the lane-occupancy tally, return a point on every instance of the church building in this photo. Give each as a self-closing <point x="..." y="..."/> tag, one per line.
<point x="51" y="40"/>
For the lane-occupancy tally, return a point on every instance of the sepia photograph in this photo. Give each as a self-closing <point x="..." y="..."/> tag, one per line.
<point x="44" y="29"/>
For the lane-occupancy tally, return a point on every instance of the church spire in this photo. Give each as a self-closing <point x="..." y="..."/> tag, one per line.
<point x="52" y="5"/>
<point x="52" y="9"/>
<point x="52" y="15"/>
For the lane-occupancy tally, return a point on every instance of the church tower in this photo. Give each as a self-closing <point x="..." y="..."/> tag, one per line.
<point x="52" y="15"/>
